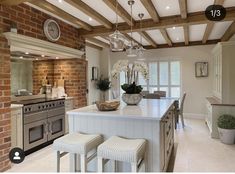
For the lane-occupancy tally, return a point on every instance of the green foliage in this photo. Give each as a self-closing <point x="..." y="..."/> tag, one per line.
<point x="226" y="122"/>
<point x="103" y="84"/>
<point x="132" y="88"/>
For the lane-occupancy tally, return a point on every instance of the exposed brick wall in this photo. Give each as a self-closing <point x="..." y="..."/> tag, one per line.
<point x="5" y="128"/>
<point x="73" y="71"/>
<point x="29" y="22"/>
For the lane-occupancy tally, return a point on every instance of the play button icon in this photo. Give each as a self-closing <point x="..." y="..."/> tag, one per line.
<point x="16" y="155"/>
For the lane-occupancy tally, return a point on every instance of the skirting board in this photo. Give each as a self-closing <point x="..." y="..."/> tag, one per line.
<point x="194" y="116"/>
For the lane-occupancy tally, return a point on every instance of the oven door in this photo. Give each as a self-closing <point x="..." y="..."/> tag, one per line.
<point x="35" y="134"/>
<point x="56" y="127"/>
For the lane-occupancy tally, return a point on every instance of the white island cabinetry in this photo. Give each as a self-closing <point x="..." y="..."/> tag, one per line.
<point x="151" y="120"/>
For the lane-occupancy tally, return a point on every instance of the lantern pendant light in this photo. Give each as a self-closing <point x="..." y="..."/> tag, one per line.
<point x="141" y="48"/>
<point x="117" y="39"/>
<point x="131" y="48"/>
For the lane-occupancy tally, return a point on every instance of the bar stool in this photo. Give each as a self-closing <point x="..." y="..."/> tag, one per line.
<point x="125" y="150"/>
<point x="77" y="143"/>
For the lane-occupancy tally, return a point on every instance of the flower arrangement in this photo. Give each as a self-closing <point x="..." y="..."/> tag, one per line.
<point x="103" y="84"/>
<point x="131" y="73"/>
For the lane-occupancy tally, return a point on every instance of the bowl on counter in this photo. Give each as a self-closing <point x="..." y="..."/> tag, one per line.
<point x="107" y="105"/>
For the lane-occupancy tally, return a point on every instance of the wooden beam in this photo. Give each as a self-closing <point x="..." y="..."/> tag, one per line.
<point x="98" y="42"/>
<point x="208" y="31"/>
<point x="58" y="12"/>
<point x="148" y="38"/>
<point x="183" y="8"/>
<point x="12" y="2"/>
<point x="166" y="22"/>
<point x="166" y="37"/>
<point x="182" y="44"/>
<point x="229" y="33"/>
<point x="219" y="2"/>
<point x="186" y="34"/>
<point x="151" y="9"/>
<point x="130" y="38"/>
<point x="93" y="46"/>
<point x="90" y="12"/>
<point x="120" y="11"/>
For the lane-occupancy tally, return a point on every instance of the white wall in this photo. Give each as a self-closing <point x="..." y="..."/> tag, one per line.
<point x="196" y="88"/>
<point x="93" y="58"/>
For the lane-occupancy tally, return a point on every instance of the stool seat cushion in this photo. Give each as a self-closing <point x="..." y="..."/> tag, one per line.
<point x="121" y="149"/>
<point x="77" y="143"/>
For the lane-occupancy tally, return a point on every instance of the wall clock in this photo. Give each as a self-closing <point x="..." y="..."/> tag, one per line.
<point x="52" y="30"/>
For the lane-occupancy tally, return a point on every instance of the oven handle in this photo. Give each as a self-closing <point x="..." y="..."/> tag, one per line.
<point x="45" y="128"/>
<point x="49" y="127"/>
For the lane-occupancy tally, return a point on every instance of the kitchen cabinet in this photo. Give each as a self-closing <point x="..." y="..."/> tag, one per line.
<point x="69" y="105"/>
<point x="16" y="126"/>
<point x="224" y="72"/>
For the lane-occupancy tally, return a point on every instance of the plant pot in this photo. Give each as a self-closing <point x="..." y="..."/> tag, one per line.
<point x="227" y="136"/>
<point x="132" y="99"/>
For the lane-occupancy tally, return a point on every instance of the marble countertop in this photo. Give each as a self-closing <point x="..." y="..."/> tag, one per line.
<point x="217" y="102"/>
<point x="152" y="109"/>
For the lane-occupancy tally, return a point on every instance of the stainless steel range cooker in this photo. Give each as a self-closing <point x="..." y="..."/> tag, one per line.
<point x="43" y="121"/>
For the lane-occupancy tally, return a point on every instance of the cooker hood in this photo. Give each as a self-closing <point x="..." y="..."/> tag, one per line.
<point x="29" y="45"/>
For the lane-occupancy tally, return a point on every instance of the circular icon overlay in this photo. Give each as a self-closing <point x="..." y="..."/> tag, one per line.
<point x="215" y="12"/>
<point x="16" y="155"/>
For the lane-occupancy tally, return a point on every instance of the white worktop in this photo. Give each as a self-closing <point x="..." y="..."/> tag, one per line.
<point x="153" y="109"/>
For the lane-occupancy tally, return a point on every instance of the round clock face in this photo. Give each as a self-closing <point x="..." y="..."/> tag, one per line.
<point x="52" y="30"/>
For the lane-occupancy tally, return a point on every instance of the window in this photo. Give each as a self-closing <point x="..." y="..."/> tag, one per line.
<point x="163" y="76"/>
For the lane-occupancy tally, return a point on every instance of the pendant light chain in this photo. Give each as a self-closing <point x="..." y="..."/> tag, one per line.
<point x="116" y="15"/>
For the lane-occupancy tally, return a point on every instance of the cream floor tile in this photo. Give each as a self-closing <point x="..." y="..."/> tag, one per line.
<point x="195" y="152"/>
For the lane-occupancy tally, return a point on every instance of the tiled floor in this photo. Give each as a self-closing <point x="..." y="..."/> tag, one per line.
<point x="195" y="152"/>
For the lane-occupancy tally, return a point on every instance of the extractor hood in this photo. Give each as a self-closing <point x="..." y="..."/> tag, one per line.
<point x="18" y="42"/>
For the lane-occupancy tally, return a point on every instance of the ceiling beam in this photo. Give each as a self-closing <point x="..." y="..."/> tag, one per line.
<point x="210" y="25"/>
<point x="93" y="46"/>
<point x="148" y="38"/>
<point x="186" y="34"/>
<point x="58" y="12"/>
<point x="166" y="37"/>
<point x="12" y="2"/>
<point x="182" y="44"/>
<point x="98" y="42"/>
<point x="90" y="12"/>
<point x="219" y="2"/>
<point x="120" y="11"/>
<point x="183" y="8"/>
<point x="151" y="9"/>
<point x="166" y="22"/>
<point x="229" y="33"/>
<point x="209" y="28"/>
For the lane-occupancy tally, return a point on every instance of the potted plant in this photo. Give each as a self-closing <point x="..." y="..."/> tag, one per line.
<point x="103" y="84"/>
<point x="132" y="90"/>
<point x="226" y="127"/>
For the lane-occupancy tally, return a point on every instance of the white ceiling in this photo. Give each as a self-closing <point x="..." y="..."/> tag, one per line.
<point x="102" y="39"/>
<point x="156" y="36"/>
<point x="198" y="5"/>
<point x="136" y="36"/>
<point x="229" y="3"/>
<point x="161" y="5"/>
<point x="196" y="32"/>
<point x="219" y="29"/>
<point x="176" y="34"/>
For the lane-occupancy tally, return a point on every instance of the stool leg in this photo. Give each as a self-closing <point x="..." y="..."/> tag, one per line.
<point x="100" y="165"/>
<point x="134" y="167"/>
<point x="57" y="161"/>
<point x="83" y="158"/>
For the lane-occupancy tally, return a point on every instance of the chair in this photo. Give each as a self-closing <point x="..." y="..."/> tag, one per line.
<point x="152" y="96"/>
<point x="77" y="144"/>
<point x="160" y="93"/>
<point x="131" y="151"/>
<point x="144" y="93"/>
<point x="181" y="109"/>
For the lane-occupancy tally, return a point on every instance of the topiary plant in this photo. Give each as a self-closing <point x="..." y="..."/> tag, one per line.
<point x="132" y="88"/>
<point x="226" y="122"/>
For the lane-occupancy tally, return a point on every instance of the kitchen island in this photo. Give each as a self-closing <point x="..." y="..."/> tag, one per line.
<point x="151" y="119"/>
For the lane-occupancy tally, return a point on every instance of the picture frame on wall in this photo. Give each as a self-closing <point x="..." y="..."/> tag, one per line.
<point x="201" y="69"/>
